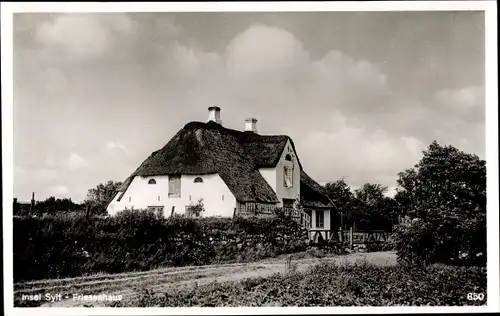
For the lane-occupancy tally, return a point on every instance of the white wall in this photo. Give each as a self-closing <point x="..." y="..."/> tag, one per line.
<point x="269" y="174"/>
<point x="281" y="191"/>
<point x="217" y="198"/>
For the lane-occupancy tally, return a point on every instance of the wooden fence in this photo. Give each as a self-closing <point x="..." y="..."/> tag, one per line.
<point x="350" y="236"/>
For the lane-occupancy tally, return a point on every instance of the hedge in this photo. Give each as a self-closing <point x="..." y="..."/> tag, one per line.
<point x="69" y="246"/>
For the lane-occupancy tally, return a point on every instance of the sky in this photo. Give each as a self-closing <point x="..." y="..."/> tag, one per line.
<point x="360" y="93"/>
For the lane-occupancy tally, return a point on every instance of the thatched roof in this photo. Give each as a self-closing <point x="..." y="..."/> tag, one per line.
<point x="209" y="148"/>
<point x="313" y="195"/>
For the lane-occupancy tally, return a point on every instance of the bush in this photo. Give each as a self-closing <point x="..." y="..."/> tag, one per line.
<point x="68" y="246"/>
<point x="423" y="242"/>
<point x="446" y="192"/>
<point x="328" y="284"/>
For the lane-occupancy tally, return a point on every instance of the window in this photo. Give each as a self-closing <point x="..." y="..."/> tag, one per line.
<point x="157" y="209"/>
<point x="241" y="208"/>
<point x="288" y="157"/>
<point x="222" y="197"/>
<point x="198" y="180"/>
<point x="189" y="211"/>
<point x="152" y="181"/>
<point x="174" y="186"/>
<point x="288" y="176"/>
<point x="158" y="198"/>
<point x="320" y="219"/>
<point x="130" y="199"/>
<point x="288" y="203"/>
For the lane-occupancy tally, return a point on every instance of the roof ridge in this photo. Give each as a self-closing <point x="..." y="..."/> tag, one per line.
<point x="216" y="126"/>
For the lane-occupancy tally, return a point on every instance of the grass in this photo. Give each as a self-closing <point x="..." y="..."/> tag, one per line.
<point x="120" y="283"/>
<point x="329" y="284"/>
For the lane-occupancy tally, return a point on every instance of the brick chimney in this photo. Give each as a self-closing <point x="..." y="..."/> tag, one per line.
<point x="214" y="114"/>
<point x="251" y="125"/>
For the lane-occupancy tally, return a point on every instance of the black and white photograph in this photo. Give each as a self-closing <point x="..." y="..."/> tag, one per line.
<point x="316" y="157"/>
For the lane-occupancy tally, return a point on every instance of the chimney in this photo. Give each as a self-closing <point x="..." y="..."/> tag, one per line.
<point x="214" y="114"/>
<point x="251" y="125"/>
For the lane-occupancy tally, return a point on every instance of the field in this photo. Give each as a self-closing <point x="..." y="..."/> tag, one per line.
<point x="130" y="285"/>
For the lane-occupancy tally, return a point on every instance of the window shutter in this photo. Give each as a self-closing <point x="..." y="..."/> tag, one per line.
<point x="178" y="186"/>
<point x="288" y="176"/>
<point x="170" y="185"/>
<point x="174" y="186"/>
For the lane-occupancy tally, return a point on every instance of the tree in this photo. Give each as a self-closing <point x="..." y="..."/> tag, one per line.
<point x="52" y="206"/>
<point x="340" y="192"/>
<point x="99" y="197"/>
<point x="365" y="208"/>
<point x="371" y="209"/>
<point x="446" y="190"/>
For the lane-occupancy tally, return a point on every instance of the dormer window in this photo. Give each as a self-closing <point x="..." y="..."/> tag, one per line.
<point x="198" y="180"/>
<point x="152" y="181"/>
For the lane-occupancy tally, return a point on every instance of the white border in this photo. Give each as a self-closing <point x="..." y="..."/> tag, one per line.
<point x="7" y="10"/>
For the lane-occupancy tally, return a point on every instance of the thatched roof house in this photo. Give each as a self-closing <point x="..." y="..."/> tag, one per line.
<point x="249" y="166"/>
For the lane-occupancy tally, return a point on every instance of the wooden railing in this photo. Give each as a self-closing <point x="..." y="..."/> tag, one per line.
<point x="252" y="209"/>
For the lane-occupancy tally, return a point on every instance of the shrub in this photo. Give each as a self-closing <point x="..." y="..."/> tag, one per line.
<point x="414" y="243"/>
<point x="446" y="191"/>
<point x="68" y="246"/>
<point x="447" y="241"/>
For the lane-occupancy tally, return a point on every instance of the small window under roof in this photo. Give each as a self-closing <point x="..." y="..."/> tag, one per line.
<point x="198" y="180"/>
<point x="152" y="181"/>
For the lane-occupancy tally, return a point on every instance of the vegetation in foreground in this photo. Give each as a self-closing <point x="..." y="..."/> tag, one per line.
<point x="328" y="284"/>
<point x="64" y="246"/>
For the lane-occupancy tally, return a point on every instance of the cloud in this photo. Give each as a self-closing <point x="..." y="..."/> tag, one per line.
<point x="46" y="175"/>
<point x="263" y="50"/>
<point x="341" y="111"/>
<point x="115" y="145"/>
<point x="76" y="162"/>
<point x="83" y="35"/>
<point x="191" y="62"/>
<point x="465" y="102"/>
<point x="51" y="161"/>
<point x="357" y="153"/>
<point x="58" y="190"/>
<point x="266" y="70"/>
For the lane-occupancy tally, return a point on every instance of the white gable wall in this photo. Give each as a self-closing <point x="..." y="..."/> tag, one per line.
<point x="274" y="176"/>
<point x="282" y="191"/>
<point x="217" y="198"/>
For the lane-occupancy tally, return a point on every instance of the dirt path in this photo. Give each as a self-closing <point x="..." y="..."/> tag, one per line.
<point x="128" y="286"/>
